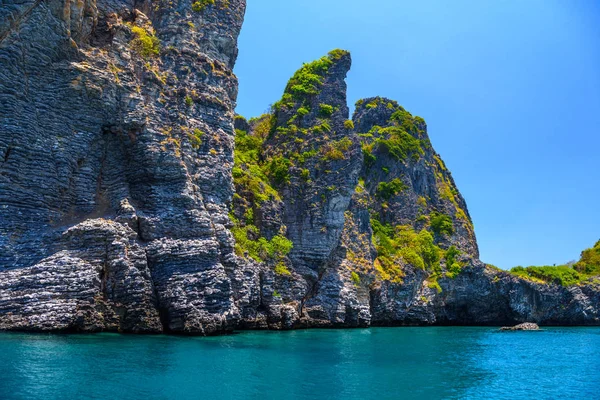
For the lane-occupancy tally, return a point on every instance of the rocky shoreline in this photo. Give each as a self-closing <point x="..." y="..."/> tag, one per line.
<point x="132" y="199"/>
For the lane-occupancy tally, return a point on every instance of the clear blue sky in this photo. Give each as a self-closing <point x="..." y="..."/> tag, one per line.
<point x="510" y="91"/>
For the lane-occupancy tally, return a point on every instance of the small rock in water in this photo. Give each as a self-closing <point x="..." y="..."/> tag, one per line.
<point x="527" y="326"/>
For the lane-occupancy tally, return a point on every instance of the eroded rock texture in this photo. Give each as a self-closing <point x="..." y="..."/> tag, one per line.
<point x="117" y="146"/>
<point x="381" y="235"/>
<point x="121" y="209"/>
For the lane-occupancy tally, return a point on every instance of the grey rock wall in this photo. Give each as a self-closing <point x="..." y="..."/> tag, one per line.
<point x="102" y="133"/>
<point x="116" y="155"/>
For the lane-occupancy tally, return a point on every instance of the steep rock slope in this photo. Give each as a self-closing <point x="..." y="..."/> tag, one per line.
<point x="300" y="166"/>
<point x="380" y="236"/>
<point x="117" y="149"/>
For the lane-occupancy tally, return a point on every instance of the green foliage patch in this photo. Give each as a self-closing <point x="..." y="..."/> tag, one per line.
<point x="561" y="275"/>
<point x="402" y="139"/>
<point x="302" y="111"/>
<point x="200" y="5"/>
<point x="336" y="150"/>
<point x="394" y="140"/>
<point x="196" y="138"/>
<point x="248" y="172"/>
<point x="145" y="43"/>
<point x="368" y="155"/>
<point x="404" y="119"/>
<point x="441" y="224"/>
<point x="307" y="81"/>
<point x="249" y="242"/>
<point x="386" y="190"/>
<point x="589" y="263"/>
<point x="587" y="267"/>
<point x="325" y="110"/>
<point x="355" y="278"/>
<point x="282" y="269"/>
<point x="453" y="266"/>
<point x="400" y="245"/>
<point x="400" y="144"/>
<point x="336" y="54"/>
<point x="372" y="104"/>
<point x="278" y="170"/>
<point x="251" y="174"/>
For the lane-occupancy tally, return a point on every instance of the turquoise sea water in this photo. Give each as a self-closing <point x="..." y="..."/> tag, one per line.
<point x="379" y="363"/>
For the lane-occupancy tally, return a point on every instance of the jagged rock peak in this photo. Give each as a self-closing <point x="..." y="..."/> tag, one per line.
<point x="374" y="111"/>
<point x="316" y="90"/>
<point x="407" y="177"/>
<point x="310" y="156"/>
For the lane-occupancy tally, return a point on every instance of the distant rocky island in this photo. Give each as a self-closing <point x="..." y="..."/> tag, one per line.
<point x="133" y="199"/>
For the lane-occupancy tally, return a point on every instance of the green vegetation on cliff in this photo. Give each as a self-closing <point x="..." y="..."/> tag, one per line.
<point x="307" y="81"/>
<point x="453" y="266"/>
<point x="336" y="150"/>
<point x="248" y="242"/>
<point x="200" y="5"/>
<point x="302" y="126"/>
<point x="587" y="267"/>
<point x="386" y="190"/>
<point x="145" y="43"/>
<point x="590" y="261"/>
<point x="561" y="274"/>
<point x="402" y="139"/>
<point x="325" y="110"/>
<point x="401" y="245"/>
<point x="441" y="224"/>
<point x="195" y="138"/>
<point x="293" y="143"/>
<point x="249" y="173"/>
<point x="254" y="179"/>
<point x="399" y="143"/>
<point x="393" y="140"/>
<point x="278" y="170"/>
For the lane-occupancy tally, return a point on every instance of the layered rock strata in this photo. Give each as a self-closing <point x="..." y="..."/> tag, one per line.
<point x="128" y="201"/>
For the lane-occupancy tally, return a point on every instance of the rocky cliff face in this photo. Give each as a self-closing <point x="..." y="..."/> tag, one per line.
<point x="361" y="222"/>
<point x="117" y="148"/>
<point x="124" y="207"/>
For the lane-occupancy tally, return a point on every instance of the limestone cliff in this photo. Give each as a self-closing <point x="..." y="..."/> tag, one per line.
<point x="128" y="202"/>
<point x="359" y="222"/>
<point x="115" y="177"/>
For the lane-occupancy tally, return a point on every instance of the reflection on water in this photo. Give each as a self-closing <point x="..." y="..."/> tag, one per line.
<point x="380" y="363"/>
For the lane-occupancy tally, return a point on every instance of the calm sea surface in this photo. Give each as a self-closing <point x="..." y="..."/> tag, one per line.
<point x="381" y="363"/>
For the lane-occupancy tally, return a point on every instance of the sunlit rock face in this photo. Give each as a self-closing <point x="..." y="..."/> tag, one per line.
<point x="115" y="177"/>
<point x="133" y="199"/>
